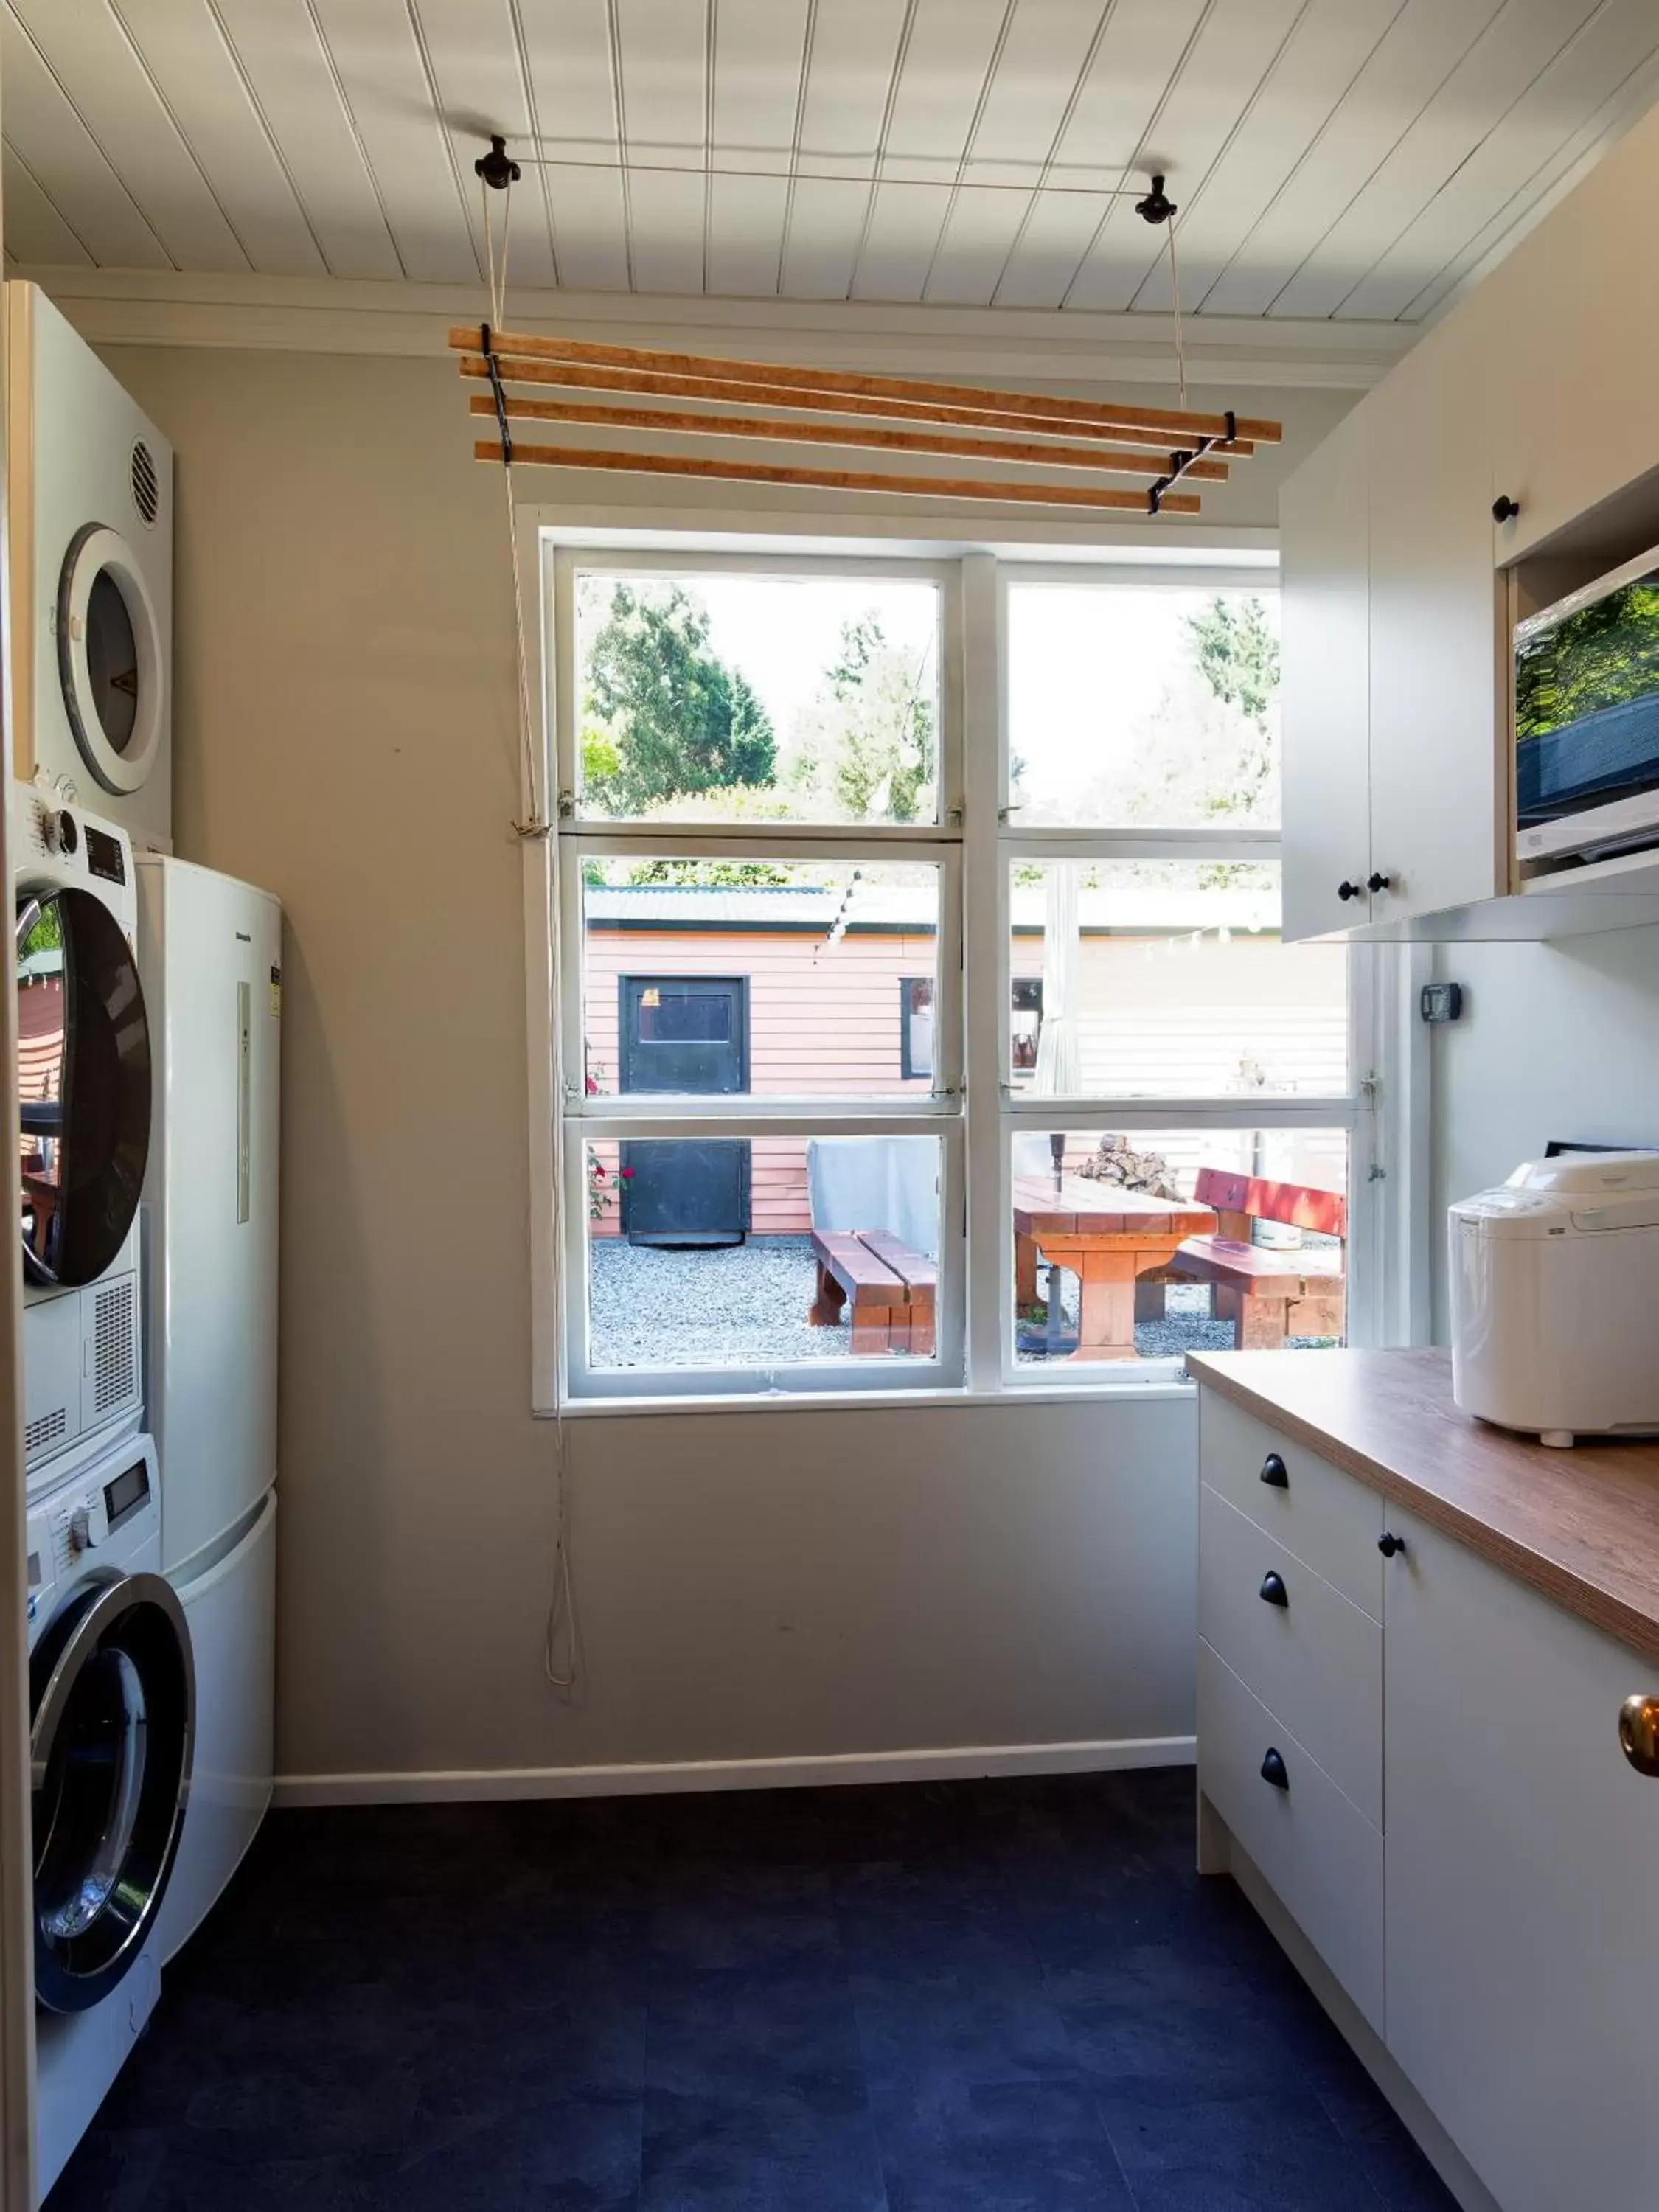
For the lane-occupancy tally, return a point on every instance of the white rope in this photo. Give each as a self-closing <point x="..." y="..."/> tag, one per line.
<point x="561" y="1625"/>
<point x="1175" y="292"/>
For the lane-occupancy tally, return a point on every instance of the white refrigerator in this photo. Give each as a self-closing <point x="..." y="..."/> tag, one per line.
<point x="210" y="958"/>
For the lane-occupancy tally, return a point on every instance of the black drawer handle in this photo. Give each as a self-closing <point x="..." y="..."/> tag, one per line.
<point x="1377" y="882"/>
<point x="1273" y="1770"/>
<point x="1346" y="890"/>
<point x="1273" y="1473"/>
<point x="1273" y="1590"/>
<point x="1388" y="1544"/>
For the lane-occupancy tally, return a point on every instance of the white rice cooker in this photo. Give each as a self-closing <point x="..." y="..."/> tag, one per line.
<point x="1554" y="1295"/>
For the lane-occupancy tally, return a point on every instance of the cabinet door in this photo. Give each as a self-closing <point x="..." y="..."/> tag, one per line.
<point x="1521" y="1864"/>
<point x="1570" y="343"/>
<point x="1438" y="768"/>
<point x="1324" y="699"/>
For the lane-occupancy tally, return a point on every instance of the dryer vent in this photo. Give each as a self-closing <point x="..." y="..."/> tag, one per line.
<point x="146" y="485"/>
<point x="42" y="1433"/>
<point x="115" y="1350"/>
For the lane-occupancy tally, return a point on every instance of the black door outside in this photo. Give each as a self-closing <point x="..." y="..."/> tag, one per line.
<point x="685" y="1034"/>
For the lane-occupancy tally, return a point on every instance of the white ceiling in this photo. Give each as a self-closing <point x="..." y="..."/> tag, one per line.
<point x="1354" y="158"/>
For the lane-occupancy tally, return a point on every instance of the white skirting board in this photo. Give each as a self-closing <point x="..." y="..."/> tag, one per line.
<point x="963" y="1763"/>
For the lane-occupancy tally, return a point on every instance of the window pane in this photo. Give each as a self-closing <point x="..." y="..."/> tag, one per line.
<point x="728" y="698"/>
<point x="916" y="1012"/>
<point x="782" y="978"/>
<point x="1155" y="706"/>
<point x="1167" y="979"/>
<point x="728" y="1253"/>
<point x="1135" y="1246"/>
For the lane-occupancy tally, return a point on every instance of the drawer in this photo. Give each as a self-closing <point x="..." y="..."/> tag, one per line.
<point x="1316" y="1660"/>
<point x="1321" y="1855"/>
<point x="1323" y="1516"/>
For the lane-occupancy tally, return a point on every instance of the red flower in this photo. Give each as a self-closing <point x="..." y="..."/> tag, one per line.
<point x="627" y="1174"/>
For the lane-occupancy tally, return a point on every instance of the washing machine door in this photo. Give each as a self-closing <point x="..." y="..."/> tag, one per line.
<point x="109" y="658"/>
<point x="83" y="1085"/>
<point x="112" y="1700"/>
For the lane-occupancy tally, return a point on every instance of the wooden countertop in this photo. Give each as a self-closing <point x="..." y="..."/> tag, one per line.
<point x="1582" y="1527"/>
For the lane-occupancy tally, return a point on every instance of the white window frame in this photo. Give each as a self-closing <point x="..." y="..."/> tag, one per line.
<point x="1354" y="1112"/>
<point x="974" y="1110"/>
<point x="598" y="1120"/>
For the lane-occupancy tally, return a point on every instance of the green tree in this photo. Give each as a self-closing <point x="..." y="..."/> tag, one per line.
<point x="866" y="750"/>
<point x="1211" y="750"/>
<point x="1238" y="654"/>
<point x="675" y="719"/>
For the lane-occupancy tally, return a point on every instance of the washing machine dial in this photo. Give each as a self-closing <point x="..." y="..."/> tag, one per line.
<point x="88" y="1525"/>
<point x="60" y="830"/>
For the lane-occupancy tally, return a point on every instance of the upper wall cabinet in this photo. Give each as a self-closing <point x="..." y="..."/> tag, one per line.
<point x="1394" y="778"/>
<point x="1325" y="697"/>
<point x="1399" y="808"/>
<point x="1440" y="782"/>
<point x="1573" y="394"/>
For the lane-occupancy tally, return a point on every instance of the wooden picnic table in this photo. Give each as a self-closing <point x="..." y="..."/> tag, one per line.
<point x="1108" y="1237"/>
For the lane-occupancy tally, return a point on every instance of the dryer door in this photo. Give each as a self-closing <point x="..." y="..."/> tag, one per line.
<point x="83" y="1085"/>
<point x="110" y="659"/>
<point x="113" y="1700"/>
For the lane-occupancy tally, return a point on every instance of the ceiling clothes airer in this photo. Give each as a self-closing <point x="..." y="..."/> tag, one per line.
<point x="1171" y="451"/>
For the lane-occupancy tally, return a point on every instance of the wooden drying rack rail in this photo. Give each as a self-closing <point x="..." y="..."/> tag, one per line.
<point x="1166" y="447"/>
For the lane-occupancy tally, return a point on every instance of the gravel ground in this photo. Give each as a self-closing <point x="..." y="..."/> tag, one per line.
<point x="722" y="1306"/>
<point x="745" y="1305"/>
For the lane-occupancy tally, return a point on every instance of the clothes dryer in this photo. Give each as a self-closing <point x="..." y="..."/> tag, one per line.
<point x="90" y="495"/>
<point x="84" y="1082"/>
<point x="112" y="1724"/>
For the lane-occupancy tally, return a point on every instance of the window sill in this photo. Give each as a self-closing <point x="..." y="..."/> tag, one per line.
<point x="848" y="1402"/>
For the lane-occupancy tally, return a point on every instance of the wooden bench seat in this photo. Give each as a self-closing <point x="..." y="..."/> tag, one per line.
<point x="1268" y="1295"/>
<point x="892" y="1291"/>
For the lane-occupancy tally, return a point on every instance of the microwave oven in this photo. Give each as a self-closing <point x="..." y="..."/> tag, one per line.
<point x="1587" y="721"/>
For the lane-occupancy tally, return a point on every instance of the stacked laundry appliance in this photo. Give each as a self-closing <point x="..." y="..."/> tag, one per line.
<point x="149" y="999"/>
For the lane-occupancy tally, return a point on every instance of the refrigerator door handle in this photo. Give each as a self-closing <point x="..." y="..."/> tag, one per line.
<point x="244" y="1101"/>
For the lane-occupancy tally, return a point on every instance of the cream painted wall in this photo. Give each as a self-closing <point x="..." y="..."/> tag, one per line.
<point x="1556" y="1041"/>
<point x="753" y="1583"/>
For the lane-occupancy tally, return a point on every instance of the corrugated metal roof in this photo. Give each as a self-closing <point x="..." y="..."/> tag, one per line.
<point x="910" y="906"/>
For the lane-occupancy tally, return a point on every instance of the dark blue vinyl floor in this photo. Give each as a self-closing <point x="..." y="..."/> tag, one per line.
<point x="990" y="1997"/>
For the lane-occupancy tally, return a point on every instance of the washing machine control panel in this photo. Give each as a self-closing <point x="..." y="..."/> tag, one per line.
<point x="101" y="1517"/>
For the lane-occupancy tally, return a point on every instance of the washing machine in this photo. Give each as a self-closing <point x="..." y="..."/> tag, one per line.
<point x="113" y="1729"/>
<point x="84" y="1088"/>
<point x="90" y="495"/>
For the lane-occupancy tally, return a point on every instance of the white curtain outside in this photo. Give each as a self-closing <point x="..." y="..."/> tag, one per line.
<point x="1060" y="1046"/>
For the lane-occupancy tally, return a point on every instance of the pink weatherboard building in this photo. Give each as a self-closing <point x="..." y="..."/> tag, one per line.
<point x="787" y="991"/>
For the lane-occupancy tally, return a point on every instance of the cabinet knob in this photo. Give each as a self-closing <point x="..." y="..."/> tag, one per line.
<point x="1388" y="1544"/>
<point x="1273" y="1473"/>
<point x="1346" y="890"/>
<point x="1503" y="508"/>
<point x="1378" y="883"/>
<point x="1638" y="1732"/>
<point x="1273" y="1590"/>
<point x="1273" y="1770"/>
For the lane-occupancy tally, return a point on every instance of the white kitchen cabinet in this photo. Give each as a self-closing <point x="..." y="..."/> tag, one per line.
<point x="1394" y="703"/>
<point x="1571" y="343"/>
<point x="1539" y="388"/>
<point x="1521" y="1869"/>
<point x="1325" y="698"/>
<point x="1439" y="773"/>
